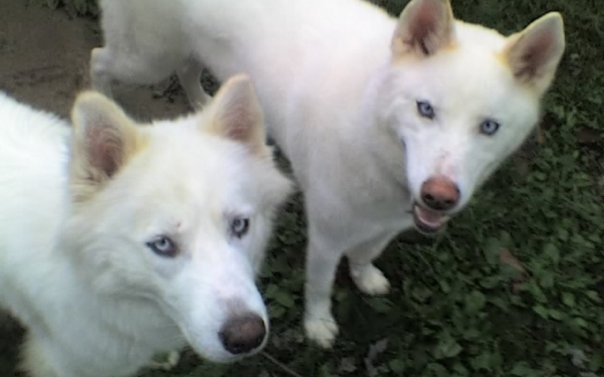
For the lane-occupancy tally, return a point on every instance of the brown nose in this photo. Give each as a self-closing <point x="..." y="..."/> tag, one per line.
<point x="440" y="193"/>
<point x="243" y="334"/>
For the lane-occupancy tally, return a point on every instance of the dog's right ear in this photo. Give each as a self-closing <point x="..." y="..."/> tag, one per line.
<point x="103" y="139"/>
<point x="424" y="27"/>
<point x="235" y="113"/>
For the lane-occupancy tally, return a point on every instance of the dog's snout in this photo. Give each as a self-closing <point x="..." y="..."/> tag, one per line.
<point x="440" y="193"/>
<point x="243" y="333"/>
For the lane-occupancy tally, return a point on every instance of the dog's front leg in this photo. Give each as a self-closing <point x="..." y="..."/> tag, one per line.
<point x="100" y="60"/>
<point x="366" y="276"/>
<point x="189" y="76"/>
<point x="321" y="264"/>
<point x="165" y="361"/>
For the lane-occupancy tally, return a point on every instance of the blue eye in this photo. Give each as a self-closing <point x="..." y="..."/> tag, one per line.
<point x="489" y="127"/>
<point x="163" y="246"/>
<point x="239" y="226"/>
<point x="425" y="109"/>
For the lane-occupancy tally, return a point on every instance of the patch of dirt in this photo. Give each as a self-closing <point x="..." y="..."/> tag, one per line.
<point x="44" y="56"/>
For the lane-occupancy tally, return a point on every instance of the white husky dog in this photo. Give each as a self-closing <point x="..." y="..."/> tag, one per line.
<point x="118" y="241"/>
<point x="388" y="123"/>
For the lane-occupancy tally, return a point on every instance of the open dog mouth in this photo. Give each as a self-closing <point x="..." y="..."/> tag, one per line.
<point x="428" y="221"/>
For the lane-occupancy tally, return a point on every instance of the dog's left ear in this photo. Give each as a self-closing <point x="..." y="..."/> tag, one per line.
<point x="103" y="139"/>
<point x="235" y="113"/>
<point x="424" y="27"/>
<point x="534" y="53"/>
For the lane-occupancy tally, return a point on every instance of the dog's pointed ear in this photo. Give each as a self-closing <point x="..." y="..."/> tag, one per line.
<point x="424" y="27"/>
<point x="235" y="113"/>
<point x="534" y="53"/>
<point x="103" y="139"/>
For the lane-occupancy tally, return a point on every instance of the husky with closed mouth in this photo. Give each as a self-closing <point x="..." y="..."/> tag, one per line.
<point x="120" y="241"/>
<point x="388" y="123"/>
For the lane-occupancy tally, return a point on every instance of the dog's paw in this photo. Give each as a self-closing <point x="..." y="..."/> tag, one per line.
<point x="165" y="361"/>
<point x="370" y="280"/>
<point x="199" y="102"/>
<point x="322" y="331"/>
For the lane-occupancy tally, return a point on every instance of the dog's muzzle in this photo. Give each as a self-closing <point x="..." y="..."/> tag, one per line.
<point x="428" y="221"/>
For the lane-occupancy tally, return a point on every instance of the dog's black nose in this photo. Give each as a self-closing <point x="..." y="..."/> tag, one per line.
<point x="440" y="193"/>
<point x="243" y="333"/>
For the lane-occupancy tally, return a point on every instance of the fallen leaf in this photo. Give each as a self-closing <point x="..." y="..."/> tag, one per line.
<point x="375" y="350"/>
<point x="506" y="258"/>
<point x="587" y="135"/>
<point x="347" y="365"/>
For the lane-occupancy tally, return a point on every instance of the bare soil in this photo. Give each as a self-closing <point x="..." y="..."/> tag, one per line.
<point x="44" y="56"/>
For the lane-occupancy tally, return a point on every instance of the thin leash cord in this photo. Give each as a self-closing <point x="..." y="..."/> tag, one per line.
<point x="280" y="364"/>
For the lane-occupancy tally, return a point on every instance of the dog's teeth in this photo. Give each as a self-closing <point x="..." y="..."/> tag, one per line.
<point x="430" y="218"/>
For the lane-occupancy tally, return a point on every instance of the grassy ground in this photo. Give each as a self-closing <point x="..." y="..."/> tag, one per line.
<point x="461" y="305"/>
<point x="515" y="287"/>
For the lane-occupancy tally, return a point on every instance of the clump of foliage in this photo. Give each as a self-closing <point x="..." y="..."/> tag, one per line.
<point x="75" y="7"/>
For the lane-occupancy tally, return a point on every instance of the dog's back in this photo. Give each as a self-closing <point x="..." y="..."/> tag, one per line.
<point x="147" y="40"/>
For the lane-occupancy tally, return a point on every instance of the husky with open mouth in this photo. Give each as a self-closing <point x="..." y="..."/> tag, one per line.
<point x="388" y="123"/>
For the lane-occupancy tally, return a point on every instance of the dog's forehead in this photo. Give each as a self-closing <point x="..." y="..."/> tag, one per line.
<point x="470" y="82"/>
<point x="473" y="63"/>
<point x="478" y="36"/>
<point x="181" y="165"/>
<point x="468" y="68"/>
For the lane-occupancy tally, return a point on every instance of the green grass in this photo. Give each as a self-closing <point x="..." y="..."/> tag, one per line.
<point x="455" y="309"/>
